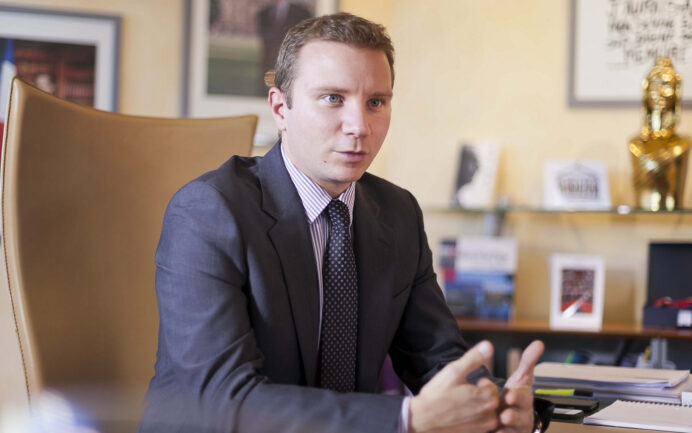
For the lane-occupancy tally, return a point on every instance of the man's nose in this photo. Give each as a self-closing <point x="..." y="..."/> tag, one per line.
<point x="355" y="121"/>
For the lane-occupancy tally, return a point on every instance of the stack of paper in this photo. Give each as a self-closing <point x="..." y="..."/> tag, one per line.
<point x="647" y="384"/>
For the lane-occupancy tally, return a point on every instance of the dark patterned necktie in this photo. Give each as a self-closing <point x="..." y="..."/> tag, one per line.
<point x="339" y="334"/>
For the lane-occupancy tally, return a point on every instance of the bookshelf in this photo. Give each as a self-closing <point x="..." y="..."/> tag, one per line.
<point x="519" y="209"/>
<point x="541" y="232"/>
<point x="65" y="70"/>
<point x="542" y="327"/>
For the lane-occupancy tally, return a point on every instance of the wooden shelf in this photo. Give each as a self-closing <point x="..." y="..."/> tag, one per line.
<point x="616" y="210"/>
<point x="542" y="327"/>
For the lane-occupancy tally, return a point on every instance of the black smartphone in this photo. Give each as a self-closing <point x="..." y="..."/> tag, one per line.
<point x="564" y="413"/>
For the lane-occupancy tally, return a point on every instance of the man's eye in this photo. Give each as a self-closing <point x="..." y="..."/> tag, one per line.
<point x="376" y="103"/>
<point x="333" y="99"/>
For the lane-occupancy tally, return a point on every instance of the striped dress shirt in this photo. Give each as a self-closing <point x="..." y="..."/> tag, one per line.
<point x="315" y="199"/>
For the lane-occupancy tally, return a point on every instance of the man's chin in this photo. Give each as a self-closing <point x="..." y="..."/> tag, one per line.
<point x="351" y="175"/>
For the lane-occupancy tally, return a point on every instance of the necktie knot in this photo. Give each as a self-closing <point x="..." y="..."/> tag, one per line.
<point x="337" y="212"/>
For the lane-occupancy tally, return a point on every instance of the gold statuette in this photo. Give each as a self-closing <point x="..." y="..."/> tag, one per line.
<point x="659" y="155"/>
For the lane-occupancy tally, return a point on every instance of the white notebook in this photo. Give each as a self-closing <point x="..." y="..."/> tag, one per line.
<point x="643" y="415"/>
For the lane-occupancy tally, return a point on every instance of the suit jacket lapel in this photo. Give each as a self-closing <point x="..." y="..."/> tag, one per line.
<point x="291" y="238"/>
<point x="372" y="241"/>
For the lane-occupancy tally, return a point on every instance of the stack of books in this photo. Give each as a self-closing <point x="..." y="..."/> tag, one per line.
<point x="624" y="383"/>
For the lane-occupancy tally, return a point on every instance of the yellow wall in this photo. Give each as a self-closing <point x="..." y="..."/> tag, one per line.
<point x="497" y="69"/>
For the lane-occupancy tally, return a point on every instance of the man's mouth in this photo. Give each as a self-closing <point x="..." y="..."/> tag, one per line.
<point x="352" y="156"/>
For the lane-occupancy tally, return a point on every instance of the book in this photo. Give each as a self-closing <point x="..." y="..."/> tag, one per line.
<point x="643" y="415"/>
<point x="475" y="182"/>
<point x="478" y="276"/>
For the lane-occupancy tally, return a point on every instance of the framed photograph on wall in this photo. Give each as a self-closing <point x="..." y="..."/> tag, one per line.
<point x="614" y="43"/>
<point x="230" y="45"/>
<point x="576" y="291"/>
<point x="72" y="55"/>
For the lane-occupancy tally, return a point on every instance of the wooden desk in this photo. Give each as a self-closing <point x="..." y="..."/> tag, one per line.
<point x="563" y="427"/>
<point x="542" y="328"/>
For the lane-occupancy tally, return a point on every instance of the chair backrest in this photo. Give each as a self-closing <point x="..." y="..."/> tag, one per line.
<point x="83" y="197"/>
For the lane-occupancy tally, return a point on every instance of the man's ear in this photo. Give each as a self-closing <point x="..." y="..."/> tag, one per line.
<point x="277" y="103"/>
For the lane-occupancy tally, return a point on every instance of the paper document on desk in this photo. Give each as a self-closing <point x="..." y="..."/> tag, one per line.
<point x="580" y="374"/>
<point x="639" y="415"/>
<point x="666" y="394"/>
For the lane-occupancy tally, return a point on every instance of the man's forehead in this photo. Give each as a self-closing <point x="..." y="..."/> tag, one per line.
<point x="322" y="53"/>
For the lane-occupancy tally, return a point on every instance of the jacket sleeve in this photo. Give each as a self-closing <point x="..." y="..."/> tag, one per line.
<point x="208" y="356"/>
<point x="428" y="337"/>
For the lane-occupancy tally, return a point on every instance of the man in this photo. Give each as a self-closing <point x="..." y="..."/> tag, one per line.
<point x="284" y="281"/>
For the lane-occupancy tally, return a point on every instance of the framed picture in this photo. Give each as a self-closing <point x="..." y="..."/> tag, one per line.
<point x="230" y="44"/>
<point x="575" y="185"/>
<point x="613" y="45"/>
<point x="72" y="55"/>
<point x="576" y="295"/>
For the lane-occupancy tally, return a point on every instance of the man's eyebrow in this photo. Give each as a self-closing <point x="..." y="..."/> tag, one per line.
<point x="328" y="89"/>
<point x="388" y="94"/>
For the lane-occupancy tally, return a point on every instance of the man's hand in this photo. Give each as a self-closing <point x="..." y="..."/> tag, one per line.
<point x="516" y="402"/>
<point x="449" y="404"/>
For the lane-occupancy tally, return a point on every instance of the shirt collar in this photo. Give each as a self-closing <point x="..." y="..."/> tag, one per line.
<point x="313" y="196"/>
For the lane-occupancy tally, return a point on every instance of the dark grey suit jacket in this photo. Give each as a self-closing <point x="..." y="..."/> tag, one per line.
<point x="239" y="307"/>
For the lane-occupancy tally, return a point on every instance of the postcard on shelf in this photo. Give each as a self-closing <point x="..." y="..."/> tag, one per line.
<point x="475" y="182"/>
<point x="575" y="184"/>
<point x="478" y="276"/>
<point x="576" y="291"/>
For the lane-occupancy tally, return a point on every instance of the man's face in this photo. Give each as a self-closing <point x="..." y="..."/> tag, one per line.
<point x="339" y="115"/>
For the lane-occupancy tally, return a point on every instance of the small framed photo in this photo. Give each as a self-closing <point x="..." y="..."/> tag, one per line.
<point x="69" y="54"/>
<point x="575" y="185"/>
<point x="576" y="291"/>
<point x="229" y="46"/>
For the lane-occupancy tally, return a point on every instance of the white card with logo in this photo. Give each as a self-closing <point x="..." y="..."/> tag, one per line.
<point x="575" y="184"/>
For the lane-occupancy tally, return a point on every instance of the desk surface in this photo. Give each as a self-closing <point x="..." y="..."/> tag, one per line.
<point x="563" y="427"/>
<point x="616" y="330"/>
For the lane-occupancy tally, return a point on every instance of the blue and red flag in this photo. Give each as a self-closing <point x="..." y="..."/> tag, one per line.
<point x="7" y="72"/>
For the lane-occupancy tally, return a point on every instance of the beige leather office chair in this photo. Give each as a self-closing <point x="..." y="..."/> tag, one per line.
<point x="83" y="197"/>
